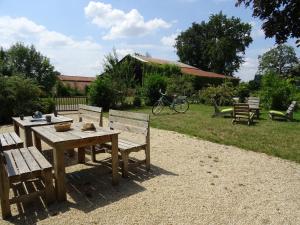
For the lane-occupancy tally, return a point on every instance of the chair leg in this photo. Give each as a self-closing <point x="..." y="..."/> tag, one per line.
<point x="93" y="153"/>
<point x="147" y="153"/>
<point x="125" y="159"/>
<point x="49" y="188"/>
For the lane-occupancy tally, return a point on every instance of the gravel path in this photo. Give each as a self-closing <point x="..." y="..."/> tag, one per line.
<point x="192" y="182"/>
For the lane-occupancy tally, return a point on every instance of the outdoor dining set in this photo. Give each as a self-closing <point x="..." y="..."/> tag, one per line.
<point x="23" y="162"/>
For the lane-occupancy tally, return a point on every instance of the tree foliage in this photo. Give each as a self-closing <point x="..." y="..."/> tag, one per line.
<point x="27" y="61"/>
<point x="280" y="60"/>
<point x="217" y="45"/>
<point x="281" y="17"/>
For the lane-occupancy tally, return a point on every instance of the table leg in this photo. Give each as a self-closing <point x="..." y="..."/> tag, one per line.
<point x="59" y="174"/>
<point x="81" y="155"/>
<point x="115" y="159"/>
<point x="37" y="142"/>
<point x="28" y="137"/>
<point x="16" y="128"/>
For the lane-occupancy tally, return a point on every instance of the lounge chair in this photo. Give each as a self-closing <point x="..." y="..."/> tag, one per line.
<point x="288" y="115"/>
<point x="222" y="112"/>
<point x="241" y="111"/>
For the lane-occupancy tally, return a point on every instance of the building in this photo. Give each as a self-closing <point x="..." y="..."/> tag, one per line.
<point x="76" y="82"/>
<point x="203" y="78"/>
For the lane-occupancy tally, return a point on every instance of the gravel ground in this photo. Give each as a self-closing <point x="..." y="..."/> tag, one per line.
<point x="191" y="182"/>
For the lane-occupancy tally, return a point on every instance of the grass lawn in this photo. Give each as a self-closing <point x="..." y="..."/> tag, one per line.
<point x="277" y="138"/>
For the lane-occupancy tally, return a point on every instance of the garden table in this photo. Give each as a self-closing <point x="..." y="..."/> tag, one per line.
<point x="28" y="122"/>
<point x="74" y="138"/>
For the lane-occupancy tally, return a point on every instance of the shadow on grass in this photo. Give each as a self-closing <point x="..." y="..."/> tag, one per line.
<point x="87" y="190"/>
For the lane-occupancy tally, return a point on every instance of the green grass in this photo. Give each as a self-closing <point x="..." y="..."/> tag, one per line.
<point x="277" y="138"/>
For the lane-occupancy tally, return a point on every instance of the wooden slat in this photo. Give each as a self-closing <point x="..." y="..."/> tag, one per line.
<point x="90" y="108"/>
<point x="16" y="138"/>
<point x="20" y="162"/>
<point x="32" y="164"/>
<point x="3" y="140"/>
<point x="40" y="159"/>
<point x="130" y="121"/>
<point x="12" y="169"/>
<point x="124" y="127"/>
<point x="8" y="139"/>
<point x="130" y="115"/>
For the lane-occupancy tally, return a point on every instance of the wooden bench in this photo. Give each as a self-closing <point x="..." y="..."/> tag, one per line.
<point x="26" y="168"/>
<point x="137" y="123"/>
<point x="91" y="113"/>
<point x="242" y="111"/>
<point x="10" y="140"/>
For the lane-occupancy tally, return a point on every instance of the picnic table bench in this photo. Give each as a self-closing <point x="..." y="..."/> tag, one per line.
<point x="10" y="140"/>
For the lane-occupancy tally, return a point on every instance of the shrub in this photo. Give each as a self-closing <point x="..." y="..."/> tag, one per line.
<point x="102" y="93"/>
<point x="46" y="105"/>
<point x="153" y="83"/>
<point x="180" y="84"/>
<point x="243" y="91"/>
<point x="277" y="92"/>
<point x="223" y="94"/>
<point x="18" y="95"/>
<point x="137" y="101"/>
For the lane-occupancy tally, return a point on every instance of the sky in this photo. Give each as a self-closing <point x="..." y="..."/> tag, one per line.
<point x="77" y="35"/>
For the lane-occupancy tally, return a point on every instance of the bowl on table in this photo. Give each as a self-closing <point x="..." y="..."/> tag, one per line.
<point x="61" y="127"/>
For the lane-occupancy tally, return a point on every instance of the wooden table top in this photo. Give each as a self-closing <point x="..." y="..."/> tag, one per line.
<point x="32" y="122"/>
<point x="49" y="133"/>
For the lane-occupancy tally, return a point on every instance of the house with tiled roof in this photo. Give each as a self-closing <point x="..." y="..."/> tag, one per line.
<point x="202" y="77"/>
<point x="76" y="82"/>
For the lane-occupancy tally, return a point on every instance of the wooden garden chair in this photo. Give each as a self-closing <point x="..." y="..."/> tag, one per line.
<point x="288" y="115"/>
<point x="254" y="103"/>
<point x="241" y="111"/>
<point x="135" y="123"/>
<point x="24" y="168"/>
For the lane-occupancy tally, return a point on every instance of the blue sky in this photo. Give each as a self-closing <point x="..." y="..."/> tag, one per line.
<point x="76" y="35"/>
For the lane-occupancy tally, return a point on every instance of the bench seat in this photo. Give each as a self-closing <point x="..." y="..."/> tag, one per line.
<point x="10" y="140"/>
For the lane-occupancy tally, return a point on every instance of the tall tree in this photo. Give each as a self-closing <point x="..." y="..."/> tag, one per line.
<point x="27" y="61"/>
<point x="280" y="60"/>
<point x="281" y="17"/>
<point x="218" y="45"/>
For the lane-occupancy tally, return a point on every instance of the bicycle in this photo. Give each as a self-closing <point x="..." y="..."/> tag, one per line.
<point x="179" y="104"/>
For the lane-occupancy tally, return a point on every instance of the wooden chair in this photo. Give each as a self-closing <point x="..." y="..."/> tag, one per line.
<point x="253" y="103"/>
<point x="288" y="115"/>
<point x="242" y="111"/>
<point x="10" y="140"/>
<point x="23" y="168"/>
<point x="90" y="113"/>
<point x="137" y="123"/>
<point x="222" y="112"/>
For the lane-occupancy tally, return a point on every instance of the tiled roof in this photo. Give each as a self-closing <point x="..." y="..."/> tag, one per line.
<point x="76" y="78"/>
<point x="185" y="68"/>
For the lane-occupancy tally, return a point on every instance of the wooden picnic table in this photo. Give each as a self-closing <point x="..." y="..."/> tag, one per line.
<point x="28" y="122"/>
<point x="74" y="138"/>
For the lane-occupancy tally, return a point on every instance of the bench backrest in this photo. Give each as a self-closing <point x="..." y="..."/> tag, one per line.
<point x="253" y="101"/>
<point x="129" y="122"/>
<point x="241" y="109"/>
<point x="90" y="112"/>
<point x="291" y="109"/>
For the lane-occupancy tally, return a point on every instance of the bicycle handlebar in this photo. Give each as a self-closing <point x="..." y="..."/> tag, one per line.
<point x="161" y="92"/>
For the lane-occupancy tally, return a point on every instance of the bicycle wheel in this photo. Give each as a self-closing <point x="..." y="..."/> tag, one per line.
<point x="182" y="106"/>
<point x="157" y="107"/>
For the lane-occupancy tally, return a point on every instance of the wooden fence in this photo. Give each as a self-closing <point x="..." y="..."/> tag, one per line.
<point x="69" y="103"/>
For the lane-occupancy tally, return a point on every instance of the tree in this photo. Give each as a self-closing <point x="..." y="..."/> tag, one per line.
<point x="281" y="17"/>
<point x="218" y="45"/>
<point x="27" y="61"/>
<point x="280" y="60"/>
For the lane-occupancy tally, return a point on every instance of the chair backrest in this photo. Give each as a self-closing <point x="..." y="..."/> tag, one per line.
<point x="129" y="122"/>
<point x="90" y="112"/>
<point x="241" y="109"/>
<point x="254" y="101"/>
<point x="290" y="111"/>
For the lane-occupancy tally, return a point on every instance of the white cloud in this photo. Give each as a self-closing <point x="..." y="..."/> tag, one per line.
<point x="169" y="40"/>
<point x="257" y="31"/>
<point x="121" y="52"/>
<point x="120" y="23"/>
<point x="69" y="56"/>
<point x="248" y="69"/>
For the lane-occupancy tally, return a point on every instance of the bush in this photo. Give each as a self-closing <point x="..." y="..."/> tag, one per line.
<point x="243" y="91"/>
<point x="18" y="95"/>
<point x="102" y="93"/>
<point x="180" y="84"/>
<point x="46" y="105"/>
<point x="153" y="83"/>
<point x="277" y="92"/>
<point x="222" y="94"/>
<point x="137" y="101"/>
